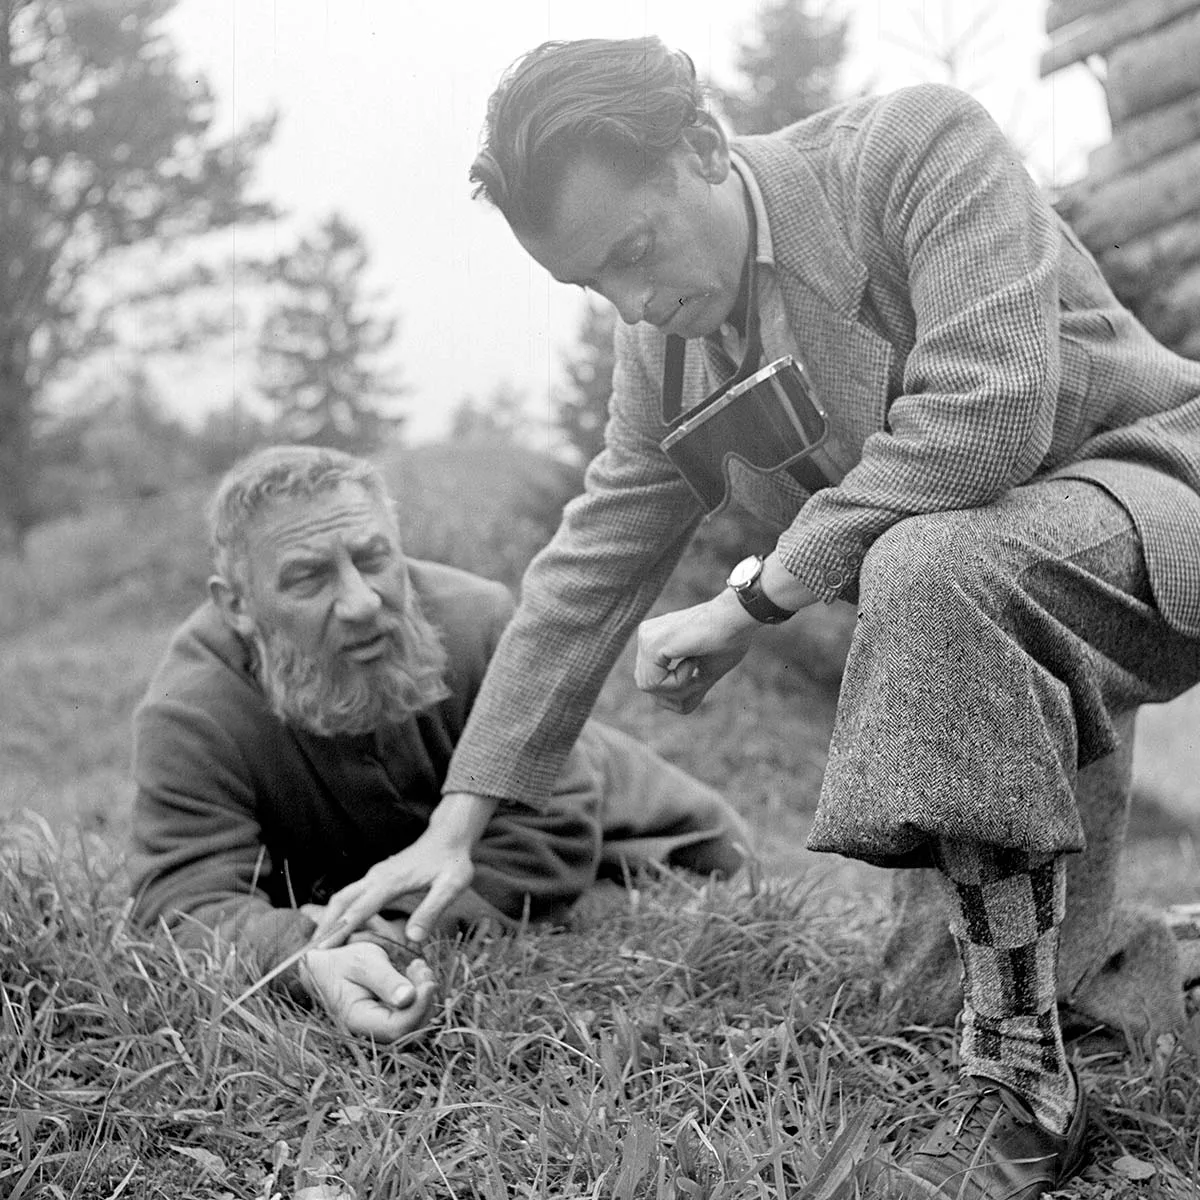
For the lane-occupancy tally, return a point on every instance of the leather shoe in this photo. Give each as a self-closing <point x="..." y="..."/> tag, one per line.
<point x="989" y="1146"/>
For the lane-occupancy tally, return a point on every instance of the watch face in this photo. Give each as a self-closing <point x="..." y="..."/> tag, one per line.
<point x="745" y="572"/>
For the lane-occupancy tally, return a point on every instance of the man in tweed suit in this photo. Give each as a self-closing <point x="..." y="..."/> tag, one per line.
<point x="1014" y="509"/>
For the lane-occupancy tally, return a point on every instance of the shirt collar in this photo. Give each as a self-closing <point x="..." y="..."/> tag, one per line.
<point x="765" y="250"/>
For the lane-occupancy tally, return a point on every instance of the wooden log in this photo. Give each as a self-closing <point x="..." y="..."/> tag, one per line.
<point x="1063" y="12"/>
<point x="1172" y="313"/>
<point x="1140" y="265"/>
<point x="1154" y="70"/>
<point x="1147" y="137"/>
<point x="1110" y="28"/>
<point x="1124" y="208"/>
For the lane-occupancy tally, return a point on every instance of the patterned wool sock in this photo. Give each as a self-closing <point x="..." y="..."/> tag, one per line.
<point x="1007" y="906"/>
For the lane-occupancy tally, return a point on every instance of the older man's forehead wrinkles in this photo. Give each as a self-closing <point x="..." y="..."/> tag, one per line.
<point x="356" y="519"/>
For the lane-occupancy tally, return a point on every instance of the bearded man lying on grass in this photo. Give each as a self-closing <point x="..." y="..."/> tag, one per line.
<point x="299" y="729"/>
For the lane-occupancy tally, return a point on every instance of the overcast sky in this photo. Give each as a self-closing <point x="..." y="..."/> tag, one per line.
<point x="381" y="103"/>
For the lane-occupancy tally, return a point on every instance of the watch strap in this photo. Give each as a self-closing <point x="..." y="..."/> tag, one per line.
<point x="757" y="603"/>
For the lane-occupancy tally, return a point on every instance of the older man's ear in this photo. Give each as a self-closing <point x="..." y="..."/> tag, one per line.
<point x="231" y="604"/>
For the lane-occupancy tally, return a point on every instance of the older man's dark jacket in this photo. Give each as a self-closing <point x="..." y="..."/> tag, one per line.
<point x="240" y="818"/>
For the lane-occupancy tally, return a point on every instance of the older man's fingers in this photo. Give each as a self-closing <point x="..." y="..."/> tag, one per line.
<point x="373" y="971"/>
<point x="388" y="1023"/>
<point x="421" y="978"/>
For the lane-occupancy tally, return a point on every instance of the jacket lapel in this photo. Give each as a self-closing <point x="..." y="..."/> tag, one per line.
<point x="849" y="365"/>
<point x="823" y="284"/>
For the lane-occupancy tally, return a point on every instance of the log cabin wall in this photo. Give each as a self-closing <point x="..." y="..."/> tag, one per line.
<point x="1138" y="207"/>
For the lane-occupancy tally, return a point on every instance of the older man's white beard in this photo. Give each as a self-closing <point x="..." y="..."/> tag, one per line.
<point x="333" y="695"/>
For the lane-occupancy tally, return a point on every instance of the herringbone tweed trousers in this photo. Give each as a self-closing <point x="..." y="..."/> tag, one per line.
<point x="998" y="652"/>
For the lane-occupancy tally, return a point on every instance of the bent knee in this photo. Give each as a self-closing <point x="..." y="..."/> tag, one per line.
<point x="930" y="555"/>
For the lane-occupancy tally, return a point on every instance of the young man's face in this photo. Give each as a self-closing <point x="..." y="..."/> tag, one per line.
<point x="669" y="249"/>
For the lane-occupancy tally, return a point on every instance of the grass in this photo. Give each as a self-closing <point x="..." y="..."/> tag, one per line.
<point x="723" y="1041"/>
<point x="674" y="1041"/>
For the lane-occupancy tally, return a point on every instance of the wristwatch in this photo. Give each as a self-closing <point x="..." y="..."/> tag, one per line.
<point x="746" y="581"/>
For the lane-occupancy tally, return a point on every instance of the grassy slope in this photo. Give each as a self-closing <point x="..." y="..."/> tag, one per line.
<point x="674" y="1042"/>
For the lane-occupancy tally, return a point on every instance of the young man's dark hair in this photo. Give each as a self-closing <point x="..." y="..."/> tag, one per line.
<point x="532" y="137"/>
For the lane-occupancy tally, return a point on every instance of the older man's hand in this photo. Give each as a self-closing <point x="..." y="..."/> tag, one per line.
<point x="361" y="989"/>
<point x="436" y="866"/>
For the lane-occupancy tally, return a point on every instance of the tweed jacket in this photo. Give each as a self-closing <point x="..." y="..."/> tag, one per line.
<point x="964" y="343"/>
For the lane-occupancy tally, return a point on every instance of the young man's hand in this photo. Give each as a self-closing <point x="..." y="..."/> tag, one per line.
<point x="437" y="867"/>
<point x="680" y="655"/>
<point x="361" y="989"/>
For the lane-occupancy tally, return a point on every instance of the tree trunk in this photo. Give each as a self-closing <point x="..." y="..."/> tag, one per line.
<point x="1108" y="216"/>
<point x="1147" y="137"/>
<point x="16" y="423"/>
<point x="1142" y="264"/>
<point x="1063" y="12"/>
<point x="1154" y="70"/>
<point x="1108" y="29"/>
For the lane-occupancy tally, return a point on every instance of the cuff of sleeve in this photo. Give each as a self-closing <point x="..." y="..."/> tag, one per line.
<point x="496" y="785"/>
<point x="830" y="571"/>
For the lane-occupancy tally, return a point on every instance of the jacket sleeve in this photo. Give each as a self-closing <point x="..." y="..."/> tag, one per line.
<point x="581" y="598"/>
<point x="198" y="861"/>
<point x="946" y="211"/>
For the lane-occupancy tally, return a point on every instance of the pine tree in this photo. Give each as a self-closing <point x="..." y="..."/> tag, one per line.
<point x="104" y="144"/>
<point x="321" y="351"/>
<point x="501" y="416"/>
<point x="789" y="66"/>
